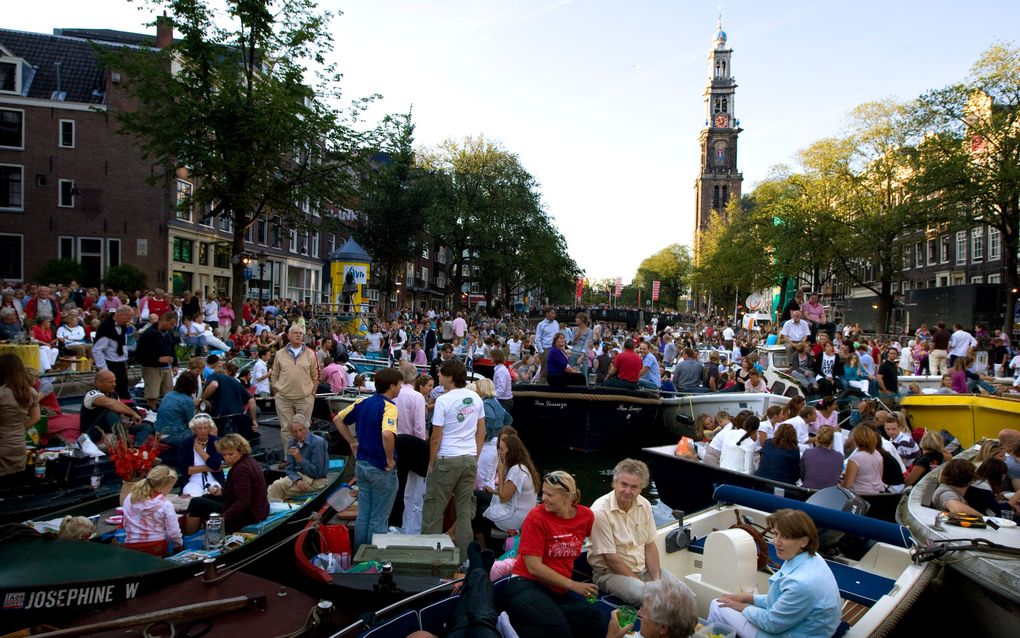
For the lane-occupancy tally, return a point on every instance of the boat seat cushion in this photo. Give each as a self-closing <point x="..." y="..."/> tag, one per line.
<point x="854" y="584"/>
<point x="402" y="625"/>
<point x="438" y="616"/>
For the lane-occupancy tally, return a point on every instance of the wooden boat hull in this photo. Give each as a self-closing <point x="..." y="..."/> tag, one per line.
<point x="39" y="587"/>
<point x="688" y="485"/>
<point x="969" y="417"/>
<point x="587" y="419"/>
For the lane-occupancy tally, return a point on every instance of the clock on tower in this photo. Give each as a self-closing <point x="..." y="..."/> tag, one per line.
<point x="720" y="120"/>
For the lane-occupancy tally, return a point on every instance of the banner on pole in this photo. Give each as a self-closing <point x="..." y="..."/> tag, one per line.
<point x="655" y="291"/>
<point x="580" y="287"/>
<point x="619" y="285"/>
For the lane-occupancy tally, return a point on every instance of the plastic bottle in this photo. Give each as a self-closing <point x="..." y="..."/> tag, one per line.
<point x="214" y="532"/>
<point x="40" y="466"/>
<point x="96" y="477"/>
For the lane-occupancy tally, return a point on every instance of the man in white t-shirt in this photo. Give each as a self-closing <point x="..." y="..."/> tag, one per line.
<point x="458" y="432"/>
<point x="794" y="331"/>
<point x="260" y="374"/>
<point x="727" y="337"/>
<point x="960" y="343"/>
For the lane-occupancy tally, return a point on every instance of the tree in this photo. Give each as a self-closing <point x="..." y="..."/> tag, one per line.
<point x="63" y="271"/>
<point x="671" y="267"/>
<point x="124" y="277"/>
<point x="228" y="105"/>
<point x="394" y="197"/>
<point x="969" y="160"/>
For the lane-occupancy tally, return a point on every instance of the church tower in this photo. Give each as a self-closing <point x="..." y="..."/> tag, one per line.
<point x="720" y="180"/>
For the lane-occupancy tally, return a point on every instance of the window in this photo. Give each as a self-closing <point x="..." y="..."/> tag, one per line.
<point x="226" y="224"/>
<point x="260" y="231"/>
<point x="276" y="233"/>
<point x="332" y="244"/>
<point x="65" y="193"/>
<point x="425" y="276"/>
<point x="221" y="257"/>
<point x="943" y="281"/>
<point x="961" y="247"/>
<point x="203" y="254"/>
<point x="293" y="241"/>
<point x="906" y="285"/>
<point x="315" y="244"/>
<point x="918" y="255"/>
<point x="944" y="249"/>
<point x="977" y="244"/>
<point x="65" y="138"/>
<point x="424" y="251"/>
<point x="90" y="256"/>
<point x="932" y="252"/>
<point x="994" y="243"/>
<point x="906" y="257"/>
<point x="182" y="250"/>
<point x="9" y="77"/>
<point x="184" y="193"/>
<point x="112" y="253"/>
<point x="303" y="241"/>
<point x="12" y="182"/>
<point x="12" y="254"/>
<point x="65" y="247"/>
<point x="977" y="279"/>
<point x="995" y="279"/>
<point x="409" y="273"/>
<point x="12" y="128"/>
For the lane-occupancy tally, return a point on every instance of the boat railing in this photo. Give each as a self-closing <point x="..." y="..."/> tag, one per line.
<point x="370" y="619"/>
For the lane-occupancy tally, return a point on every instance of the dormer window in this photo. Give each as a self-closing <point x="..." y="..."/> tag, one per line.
<point x="10" y="75"/>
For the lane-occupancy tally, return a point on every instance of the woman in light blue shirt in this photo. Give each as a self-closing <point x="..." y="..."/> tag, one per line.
<point x="803" y="599"/>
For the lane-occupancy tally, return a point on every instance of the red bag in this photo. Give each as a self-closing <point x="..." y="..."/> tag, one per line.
<point x="335" y="539"/>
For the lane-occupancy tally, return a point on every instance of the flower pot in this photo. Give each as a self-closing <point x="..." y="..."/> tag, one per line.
<point x="125" y="489"/>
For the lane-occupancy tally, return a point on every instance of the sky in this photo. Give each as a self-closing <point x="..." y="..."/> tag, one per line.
<point x="602" y="100"/>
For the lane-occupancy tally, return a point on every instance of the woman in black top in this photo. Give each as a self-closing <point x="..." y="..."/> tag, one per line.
<point x="780" y="456"/>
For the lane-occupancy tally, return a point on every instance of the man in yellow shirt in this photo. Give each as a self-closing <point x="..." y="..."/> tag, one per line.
<point x="623" y="554"/>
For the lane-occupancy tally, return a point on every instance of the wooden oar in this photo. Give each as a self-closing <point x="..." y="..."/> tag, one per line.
<point x="184" y="612"/>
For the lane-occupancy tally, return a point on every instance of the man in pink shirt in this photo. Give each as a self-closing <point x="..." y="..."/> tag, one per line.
<point x="412" y="446"/>
<point x="459" y="325"/>
<point x="814" y="312"/>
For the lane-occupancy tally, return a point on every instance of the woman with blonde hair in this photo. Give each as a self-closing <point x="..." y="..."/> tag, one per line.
<point x="552" y="538"/>
<point x="932" y="456"/>
<point x="243" y="499"/>
<point x="150" y="522"/>
<point x="496" y="418"/>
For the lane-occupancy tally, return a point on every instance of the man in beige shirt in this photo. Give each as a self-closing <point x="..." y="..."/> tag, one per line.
<point x="623" y="554"/>
<point x="293" y="380"/>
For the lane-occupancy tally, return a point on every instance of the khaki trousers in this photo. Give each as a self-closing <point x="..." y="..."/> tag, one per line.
<point x="451" y="476"/>
<point x="937" y="362"/>
<point x="285" y="410"/>
<point x="283" y="488"/>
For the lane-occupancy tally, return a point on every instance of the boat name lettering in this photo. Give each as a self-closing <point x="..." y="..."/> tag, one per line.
<point x="78" y="596"/>
<point x="628" y="408"/>
<point x="542" y="403"/>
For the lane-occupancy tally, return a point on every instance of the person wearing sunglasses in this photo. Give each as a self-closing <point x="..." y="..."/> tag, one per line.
<point x="541" y="598"/>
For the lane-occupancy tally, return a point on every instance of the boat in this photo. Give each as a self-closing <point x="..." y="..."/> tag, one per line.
<point x="968" y="417"/>
<point x="588" y="418"/>
<point x="687" y="485"/>
<point x="983" y="561"/>
<point x="103" y="573"/>
<point x="714" y="557"/>
<point x="361" y="590"/>
<point x="240" y="604"/>
<point x="689" y="407"/>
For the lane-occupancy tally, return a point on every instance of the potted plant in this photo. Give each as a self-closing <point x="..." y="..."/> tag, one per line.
<point x="132" y="464"/>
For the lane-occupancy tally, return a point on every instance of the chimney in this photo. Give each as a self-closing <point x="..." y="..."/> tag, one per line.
<point x="164" y="32"/>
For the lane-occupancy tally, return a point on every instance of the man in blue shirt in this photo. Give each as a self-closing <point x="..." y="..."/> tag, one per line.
<point x="233" y="407"/>
<point x="372" y="443"/>
<point x="650" y="378"/>
<point x="307" y="463"/>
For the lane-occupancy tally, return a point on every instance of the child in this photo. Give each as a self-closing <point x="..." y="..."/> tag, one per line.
<point x="150" y="522"/>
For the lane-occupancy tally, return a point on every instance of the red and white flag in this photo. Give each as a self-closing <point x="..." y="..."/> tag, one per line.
<point x="619" y="285"/>
<point x="655" y="291"/>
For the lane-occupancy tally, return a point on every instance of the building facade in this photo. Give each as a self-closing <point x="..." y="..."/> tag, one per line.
<point x="720" y="180"/>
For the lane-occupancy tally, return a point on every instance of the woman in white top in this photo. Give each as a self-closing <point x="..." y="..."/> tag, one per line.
<point x="72" y="335"/>
<point x="513" y="344"/>
<point x="506" y="506"/>
<point x="738" y="446"/>
<point x="374" y="339"/>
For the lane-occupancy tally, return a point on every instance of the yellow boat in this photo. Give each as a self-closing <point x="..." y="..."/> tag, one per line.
<point x="969" y="417"/>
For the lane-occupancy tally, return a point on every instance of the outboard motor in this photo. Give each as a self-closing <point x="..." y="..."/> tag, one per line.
<point x="843" y="500"/>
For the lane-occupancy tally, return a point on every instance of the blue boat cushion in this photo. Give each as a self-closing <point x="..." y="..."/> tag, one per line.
<point x="438" y="616"/>
<point x="854" y="584"/>
<point x="401" y="625"/>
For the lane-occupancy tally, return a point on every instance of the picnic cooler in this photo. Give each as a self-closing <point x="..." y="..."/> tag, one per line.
<point x="418" y="561"/>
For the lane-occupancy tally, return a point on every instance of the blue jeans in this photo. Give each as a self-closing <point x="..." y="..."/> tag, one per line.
<point x="377" y="491"/>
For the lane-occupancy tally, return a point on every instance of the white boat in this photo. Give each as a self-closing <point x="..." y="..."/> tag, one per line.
<point x="983" y="580"/>
<point x="693" y="405"/>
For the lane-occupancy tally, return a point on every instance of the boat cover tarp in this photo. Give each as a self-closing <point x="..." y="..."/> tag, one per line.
<point x="862" y="526"/>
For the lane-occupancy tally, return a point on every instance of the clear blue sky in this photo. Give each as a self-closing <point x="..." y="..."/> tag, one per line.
<point x="602" y="99"/>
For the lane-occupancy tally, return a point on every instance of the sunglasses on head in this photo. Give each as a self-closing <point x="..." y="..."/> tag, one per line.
<point x="554" y="479"/>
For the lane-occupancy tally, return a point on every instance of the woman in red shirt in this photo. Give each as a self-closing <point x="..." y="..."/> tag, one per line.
<point x="42" y="335"/>
<point x="541" y="598"/>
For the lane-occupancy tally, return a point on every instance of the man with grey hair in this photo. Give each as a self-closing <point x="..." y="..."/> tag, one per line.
<point x="10" y="327"/>
<point x="293" y="380"/>
<point x="623" y="553"/>
<point x="669" y="608"/>
<point x="307" y="463"/>
<point x="112" y="346"/>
